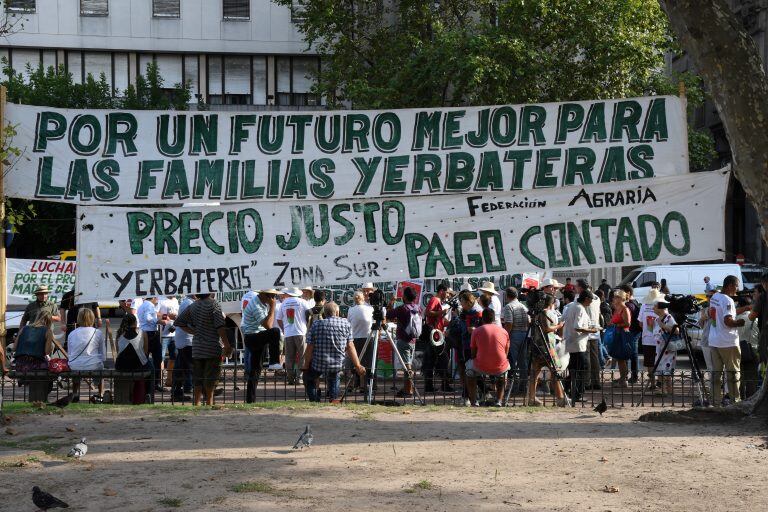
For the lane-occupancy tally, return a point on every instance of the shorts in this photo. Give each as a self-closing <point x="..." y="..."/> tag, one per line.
<point x="406" y="349"/>
<point x="206" y="372"/>
<point x="649" y="356"/>
<point x="472" y="372"/>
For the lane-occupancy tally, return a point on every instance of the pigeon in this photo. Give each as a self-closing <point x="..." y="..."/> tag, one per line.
<point x="305" y="439"/>
<point x="79" y="450"/>
<point x="45" y="501"/>
<point x="601" y="407"/>
<point x="63" y="402"/>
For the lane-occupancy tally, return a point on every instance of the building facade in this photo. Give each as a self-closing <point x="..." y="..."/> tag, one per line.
<point x="235" y="54"/>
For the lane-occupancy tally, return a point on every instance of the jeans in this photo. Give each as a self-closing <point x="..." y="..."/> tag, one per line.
<point x="633" y="357"/>
<point x="254" y="352"/>
<point x="577" y="373"/>
<point x="312" y="378"/>
<point x="182" y="372"/>
<point x="156" y="352"/>
<point x="518" y="362"/>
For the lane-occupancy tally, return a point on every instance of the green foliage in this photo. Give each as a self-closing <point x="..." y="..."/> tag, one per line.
<point x="49" y="227"/>
<point x="421" y="53"/>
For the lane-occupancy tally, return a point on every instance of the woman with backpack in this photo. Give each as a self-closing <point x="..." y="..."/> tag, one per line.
<point x="409" y="322"/>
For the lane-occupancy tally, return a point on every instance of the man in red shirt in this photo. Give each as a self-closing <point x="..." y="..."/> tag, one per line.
<point x="436" y="358"/>
<point x="569" y="287"/>
<point x="489" y="346"/>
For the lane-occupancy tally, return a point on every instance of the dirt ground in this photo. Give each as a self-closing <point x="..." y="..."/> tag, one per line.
<point x="381" y="459"/>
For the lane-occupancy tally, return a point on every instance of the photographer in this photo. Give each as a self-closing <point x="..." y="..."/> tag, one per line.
<point x="724" y="340"/>
<point x="435" y="358"/>
<point x="544" y="339"/>
<point x="406" y="338"/>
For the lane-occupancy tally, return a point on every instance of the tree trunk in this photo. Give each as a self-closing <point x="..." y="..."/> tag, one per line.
<point x="726" y="57"/>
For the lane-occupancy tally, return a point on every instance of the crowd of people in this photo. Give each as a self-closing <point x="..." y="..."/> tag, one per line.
<point x="567" y="334"/>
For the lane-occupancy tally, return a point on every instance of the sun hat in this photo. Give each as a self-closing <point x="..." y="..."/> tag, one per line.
<point x="488" y="287"/>
<point x="550" y="282"/>
<point x="293" y="292"/>
<point x="368" y="286"/>
<point x="307" y="289"/>
<point x="653" y="296"/>
<point x="41" y="289"/>
<point x="466" y="287"/>
<point x="270" y="291"/>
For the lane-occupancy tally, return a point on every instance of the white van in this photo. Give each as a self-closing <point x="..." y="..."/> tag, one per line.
<point x="681" y="279"/>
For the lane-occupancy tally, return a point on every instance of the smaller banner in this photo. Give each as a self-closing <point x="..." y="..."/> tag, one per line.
<point x="25" y="276"/>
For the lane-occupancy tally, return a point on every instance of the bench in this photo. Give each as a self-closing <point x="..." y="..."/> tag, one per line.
<point x="39" y="382"/>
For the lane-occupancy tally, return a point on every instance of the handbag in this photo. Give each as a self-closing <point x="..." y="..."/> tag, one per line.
<point x="618" y="342"/>
<point x="675" y="343"/>
<point x="58" y="365"/>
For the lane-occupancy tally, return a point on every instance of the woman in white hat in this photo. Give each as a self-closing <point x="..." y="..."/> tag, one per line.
<point x="489" y="290"/>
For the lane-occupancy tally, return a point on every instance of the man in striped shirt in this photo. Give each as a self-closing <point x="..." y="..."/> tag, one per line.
<point x="204" y="320"/>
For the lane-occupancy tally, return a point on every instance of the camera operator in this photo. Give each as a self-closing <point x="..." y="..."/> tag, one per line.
<point x="435" y="358"/>
<point x="760" y="313"/>
<point x="548" y="325"/>
<point x="724" y="340"/>
<point x="461" y="329"/>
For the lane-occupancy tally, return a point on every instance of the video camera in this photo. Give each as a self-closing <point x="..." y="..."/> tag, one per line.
<point x="534" y="301"/>
<point x="680" y="306"/>
<point x="743" y="298"/>
<point x="453" y="302"/>
<point x="377" y="303"/>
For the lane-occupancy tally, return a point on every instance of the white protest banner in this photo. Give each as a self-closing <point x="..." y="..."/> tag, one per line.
<point x="136" y="252"/>
<point x="25" y="276"/>
<point x="152" y="157"/>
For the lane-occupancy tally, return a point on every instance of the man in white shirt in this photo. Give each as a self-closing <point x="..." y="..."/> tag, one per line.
<point x="724" y="340"/>
<point x="593" y="310"/>
<point x="167" y="310"/>
<point x="489" y="290"/>
<point x="307" y="293"/>
<point x="149" y="322"/>
<point x="292" y="319"/>
<point x="576" y="330"/>
<point x="360" y="317"/>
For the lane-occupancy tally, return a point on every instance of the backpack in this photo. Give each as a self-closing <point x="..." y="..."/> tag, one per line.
<point x="415" y="324"/>
<point x="316" y="313"/>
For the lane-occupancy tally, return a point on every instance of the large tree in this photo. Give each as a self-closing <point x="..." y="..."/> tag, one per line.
<point x="726" y="56"/>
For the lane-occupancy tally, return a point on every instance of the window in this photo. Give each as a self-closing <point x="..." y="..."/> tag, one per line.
<point x="237" y="80"/>
<point x="166" y="8"/>
<point x="121" y="73"/>
<point x="298" y="10"/>
<point x="25" y="6"/>
<point x="74" y="65"/>
<point x="294" y="81"/>
<point x="171" y="70"/>
<point x="237" y="9"/>
<point x="259" y="70"/>
<point x="191" y="74"/>
<point x="49" y="59"/>
<point x="94" y="7"/>
<point x="25" y="62"/>
<point x="645" y="279"/>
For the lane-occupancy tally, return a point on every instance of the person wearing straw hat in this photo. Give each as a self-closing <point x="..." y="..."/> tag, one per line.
<point x="41" y="303"/>
<point x="292" y="319"/>
<point x="260" y="331"/>
<point x="367" y="290"/>
<point x="489" y="290"/>
<point x="307" y="293"/>
<point x="647" y="317"/>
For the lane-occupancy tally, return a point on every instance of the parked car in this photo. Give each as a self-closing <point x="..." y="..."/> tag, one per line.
<point x="682" y="279"/>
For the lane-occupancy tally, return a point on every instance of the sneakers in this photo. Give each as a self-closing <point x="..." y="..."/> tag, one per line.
<point x="476" y="404"/>
<point x="276" y="366"/>
<point x="498" y="404"/>
<point x="467" y="403"/>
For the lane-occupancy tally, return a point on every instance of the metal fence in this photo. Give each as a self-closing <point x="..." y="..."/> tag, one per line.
<point x="277" y="385"/>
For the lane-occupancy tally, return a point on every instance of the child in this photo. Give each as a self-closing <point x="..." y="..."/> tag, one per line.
<point x="666" y="329"/>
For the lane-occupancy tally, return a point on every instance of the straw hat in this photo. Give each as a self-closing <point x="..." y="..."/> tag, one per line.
<point x="307" y="289"/>
<point x="488" y="287"/>
<point x="41" y="289"/>
<point x="368" y="286"/>
<point x="466" y="287"/>
<point x="653" y="296"/>
<point x="270" y="291"/>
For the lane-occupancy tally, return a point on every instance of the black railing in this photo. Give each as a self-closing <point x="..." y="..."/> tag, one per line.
<point x="231" y="387"/>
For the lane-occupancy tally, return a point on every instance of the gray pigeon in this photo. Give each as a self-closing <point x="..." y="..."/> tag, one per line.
<point x="79" y="450"/>
<point x="305" y="439"/>
<point x="45" y="501"/>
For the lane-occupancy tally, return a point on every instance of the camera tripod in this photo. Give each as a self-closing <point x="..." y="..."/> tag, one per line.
<point x="696" y="375"/>
<point x="526" y="351"/>
<point x="373" y="338"/>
